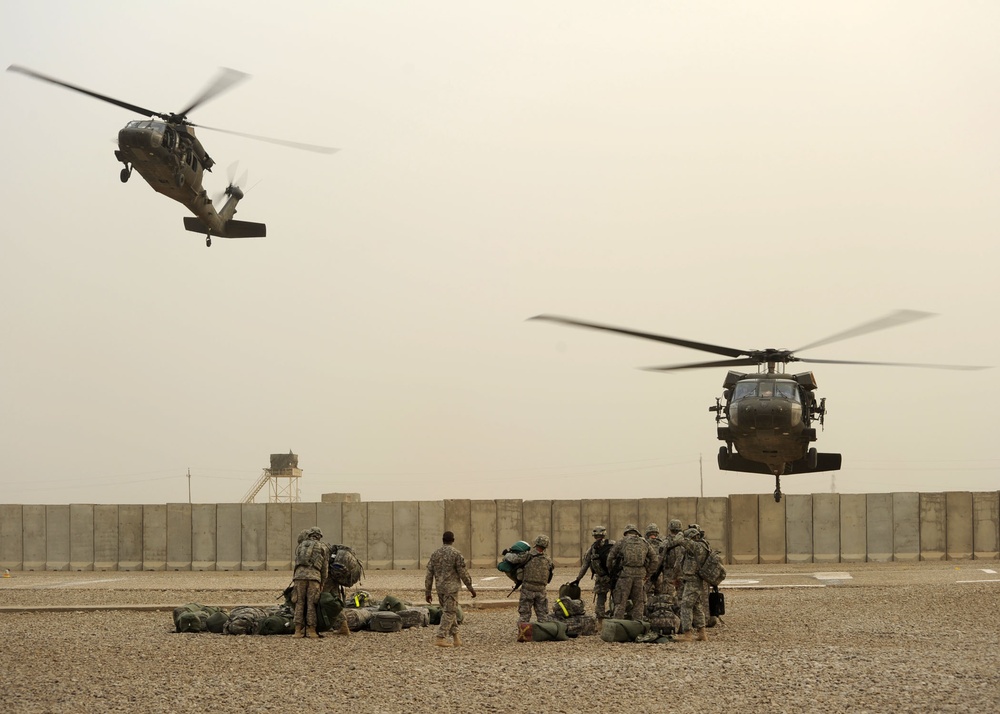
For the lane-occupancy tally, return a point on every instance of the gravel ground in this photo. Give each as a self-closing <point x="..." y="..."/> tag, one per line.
<point x="921" y="637"/>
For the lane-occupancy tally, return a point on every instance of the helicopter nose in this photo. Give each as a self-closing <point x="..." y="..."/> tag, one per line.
<point x="767" y="415"/>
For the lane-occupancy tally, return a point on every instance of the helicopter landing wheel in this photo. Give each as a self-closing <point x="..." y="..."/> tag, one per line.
<point x="125" y="174"/>
<point x="812" y="459"/>
<point x="208" y="241"/>
<point x="777" y="489"/>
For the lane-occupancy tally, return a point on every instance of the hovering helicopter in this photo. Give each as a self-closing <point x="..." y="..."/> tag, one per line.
<point x="168" y="155"/>
<point x="768" y="417"/>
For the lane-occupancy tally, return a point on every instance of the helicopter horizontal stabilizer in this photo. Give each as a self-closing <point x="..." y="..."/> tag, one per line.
<point x="234" y="229"/>
<point x="824" y="462"/>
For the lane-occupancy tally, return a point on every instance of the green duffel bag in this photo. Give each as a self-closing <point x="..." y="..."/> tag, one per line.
<point x="276" y="625"/>
<point x="548" y="631"/>
<point x="327" y="609"/>
<point x="392" y="604"/>
<point x="434" y="614"/>
<point x="623" y="630"/>
<point x="192" y="622"/>
<point x="385" y="621"/>
<point x="217" y="621"/>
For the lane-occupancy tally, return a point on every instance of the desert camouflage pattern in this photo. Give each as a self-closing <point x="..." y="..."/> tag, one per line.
<point x="631" y="549"/>
<point x="602" y="579"/>
<point x="447" y="566"/>
<point x="654" y="587"/>
<point x="306" y="597"/>
<point x="691" y="611"/>
<point x="536" y="572"/>
<point x="244" y="621"/>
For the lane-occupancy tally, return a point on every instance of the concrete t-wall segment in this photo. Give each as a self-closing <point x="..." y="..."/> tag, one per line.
<point x="565" y="549"/>
<point x="11" y="537"/>
<point x="905" y="526"/>
<point x="879" y="521"/>
<point x="986" y="524"/>
<point x="204" y="536"/>
<point x="933" y="527"/>
<point x="748" y="528"/>
<point x="653" y="510"/>
<point x="106" y="537"/>
<point x="229" y="536"/>
<point x="130" y="537"/>
<point x="57" y="537"/>
<point x="798" y="529"/>
<point x="771" y="534"/>
<point x="958" y="524"/>
<point x="81" y="536"/>
<point x="431" y="514"/>
<point x="380" y="535"/>
<point x="853" y="527"/>
<point x="826" y="528"/>
<point x="483" y="520"/>
<point x="179" y="536"/>
<point x="405" y="535"/>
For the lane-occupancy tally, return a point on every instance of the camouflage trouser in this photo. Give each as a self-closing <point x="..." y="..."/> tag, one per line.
<point x="630" y="588"/>
<point x="449" y="614"/>
<point x="655" y="587"/>
<point x="602" y="586"/>
<point x="306" y="597"/>
<point x="533" y="598"/>
<point x="692" y="613"/>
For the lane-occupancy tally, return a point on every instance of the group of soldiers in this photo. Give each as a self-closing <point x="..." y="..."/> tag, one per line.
<point x="635" y="568"/>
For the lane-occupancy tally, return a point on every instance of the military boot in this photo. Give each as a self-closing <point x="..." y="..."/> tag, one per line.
<point x="441" y="642"/>
<point x="702" y="636"/>
<point x="344" y="629"/>
<point x="299" y="631"/>
<point x="685" y="637"/>
<point x="311" y="632"/>
<point x="456" y="640"/>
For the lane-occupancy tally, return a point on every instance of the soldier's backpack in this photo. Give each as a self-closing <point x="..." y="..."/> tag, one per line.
<point x="192" y="622"/>
<point x="599" y="563"/>
<point x="634" y="552"/>
<point x="577" y="625"/>
<point x="359" y="599"/>
<point x="511" y="569"/>
<point x="414" y="617"/>
<point x="392" y="603"/>
<point x="327" y="609"/>
<point x="358" y="617"/>
<point x="345" y="568"/>
<point x="244" y="621"/>
<point x="276" y="624"/>
<point x="570" y="590"/>
<point x="217" y="621"/>
<point x="711" y="569"/>
<point x="567" y="607"/>
<point x="385" y="621"/>
<point x="660" y="614"/>
<point x="309" y="553"/>
<point x="623" y="630"/>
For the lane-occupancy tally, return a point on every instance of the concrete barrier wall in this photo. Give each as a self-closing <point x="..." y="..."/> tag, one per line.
<point x="747" y="528"/>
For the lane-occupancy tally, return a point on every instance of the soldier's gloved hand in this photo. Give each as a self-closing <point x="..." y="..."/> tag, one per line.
<point x="429" y="599"/>
<point x="503" y="552"/>
<point x="472" y="592"/>
<point x="575" y="583"/>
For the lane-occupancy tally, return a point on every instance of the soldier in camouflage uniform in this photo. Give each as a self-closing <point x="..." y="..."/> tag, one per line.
<point x="447" y="566"/>
<point x="692" y="613"/>
<point x="536" y="573"/>
<point x="670" y="554"/>
<point x="634" y="560"/>
<point x="654" y="586"/>
<point x="312" y="563"/>
<point x="595" y="560"/>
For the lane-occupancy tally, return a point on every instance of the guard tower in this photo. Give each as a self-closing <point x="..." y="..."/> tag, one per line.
<point x="282" y="480"/>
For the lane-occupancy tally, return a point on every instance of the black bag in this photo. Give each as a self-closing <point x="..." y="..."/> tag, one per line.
<point x="716" y="603"/>
<point x="570" y="590"/>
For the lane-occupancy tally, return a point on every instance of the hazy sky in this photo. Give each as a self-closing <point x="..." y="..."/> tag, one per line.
<point x="748" y="174"/>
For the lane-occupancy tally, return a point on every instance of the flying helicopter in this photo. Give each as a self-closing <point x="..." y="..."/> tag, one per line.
<point x="172" y="160"/>
<point x="768" y="419"/>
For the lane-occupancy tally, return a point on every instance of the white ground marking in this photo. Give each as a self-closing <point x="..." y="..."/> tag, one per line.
<point x="492" y="577"/>
<point x="766" y="587"/>
<point x="71" y="583"/>
<point x="991" y="572"/>
<point x="832" y="576"/>
<point x="978" y="581"/>
<point x="735" y="581"/>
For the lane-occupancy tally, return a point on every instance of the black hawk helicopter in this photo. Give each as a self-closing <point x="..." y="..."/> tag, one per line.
<point x="168" y="155"/>
<point x="768" y="417"/>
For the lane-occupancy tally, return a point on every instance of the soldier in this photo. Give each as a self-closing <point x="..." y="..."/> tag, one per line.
<point x="447" y="566"/>
<point x="670" y="554"/>
<point x="596" y="560"/>
<point x="536" y="573"/>
<point x="632" y="561"/>
<point x="654" y="586"/>
<point x="692" y="613"/>
<point x="312" y="563"/>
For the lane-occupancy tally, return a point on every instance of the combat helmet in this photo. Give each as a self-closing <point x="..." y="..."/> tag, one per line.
<point x="630" y="528"/>
<point x="692" y="533"/>
<point x="542" y="541"/>
<point x="675" y="526"/>
<point x="652" y="528"/>
<point x="314" y="532"/>
<point x="600" y="531"/>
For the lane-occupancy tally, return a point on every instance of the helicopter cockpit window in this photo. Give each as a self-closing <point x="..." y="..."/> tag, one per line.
<point x="786" y="390"/>
<point x="745" y="389"/>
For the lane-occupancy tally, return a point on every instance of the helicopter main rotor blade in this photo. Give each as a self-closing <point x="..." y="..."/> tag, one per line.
<point x="270" y="140"/>
<point x="893" y="319"/>
<point x="745" y="362"/>
<point x="225" y="79"/>
<point x="704" y="347"/>
<point x="104" y="98"/>
<point x="963" y="367"/>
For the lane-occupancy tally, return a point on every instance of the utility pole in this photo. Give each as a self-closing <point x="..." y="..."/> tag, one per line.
<point x="189" y="485"/>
